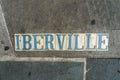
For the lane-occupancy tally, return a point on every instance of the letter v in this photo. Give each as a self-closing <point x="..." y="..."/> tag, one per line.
<point x="60" y="42"/>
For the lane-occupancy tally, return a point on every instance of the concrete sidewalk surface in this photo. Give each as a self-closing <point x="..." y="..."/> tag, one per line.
<point x="59" y="16"/>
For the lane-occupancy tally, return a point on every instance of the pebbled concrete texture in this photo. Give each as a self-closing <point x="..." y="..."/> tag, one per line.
<point x="41" y="71"/>
<point x="53" y="16"/>
<point x="61" y="16"/>
<point x="103" y="69"/>
<point x="6" y="48"/>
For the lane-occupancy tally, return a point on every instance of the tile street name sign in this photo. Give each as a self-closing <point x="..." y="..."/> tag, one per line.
<point x="61" y="42"/>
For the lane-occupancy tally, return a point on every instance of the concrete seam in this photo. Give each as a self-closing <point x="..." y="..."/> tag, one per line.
<point x="85" y="65"/>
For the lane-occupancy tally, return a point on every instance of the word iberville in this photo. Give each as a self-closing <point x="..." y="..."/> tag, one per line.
<point x="62" y="42"/>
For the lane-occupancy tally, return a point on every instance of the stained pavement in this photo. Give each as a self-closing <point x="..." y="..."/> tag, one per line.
<point x="57" y="16"/>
